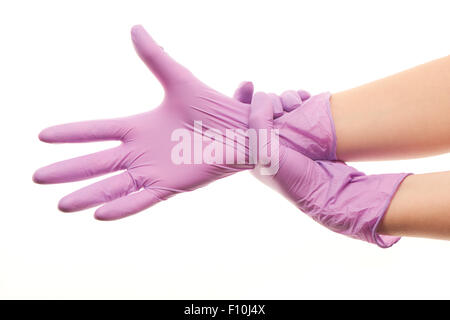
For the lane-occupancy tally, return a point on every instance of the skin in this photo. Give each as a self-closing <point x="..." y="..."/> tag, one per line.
<point x="420" y="208"/>
<point x="406" y="115"/>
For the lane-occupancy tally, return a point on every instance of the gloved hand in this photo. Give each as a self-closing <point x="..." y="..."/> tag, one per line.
<point x="146" y="152"/>
<point x="332" y="193"/>
<point x="305" y="123"/>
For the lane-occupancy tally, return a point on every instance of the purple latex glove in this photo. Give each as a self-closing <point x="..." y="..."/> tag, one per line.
<point x="332" y="193"/>
<point x="150" y="174"/>
<point x="308" y="126"/>
<point x="305" y="123"/>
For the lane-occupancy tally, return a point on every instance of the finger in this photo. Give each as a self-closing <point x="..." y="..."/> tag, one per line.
<point x="244" y="92"/>
<point x="83" y="167"/>
<point x="261" y="119"/>
<point x="85" y="131"/>
<point x="261" y="112"/>
<point x="98" y="193"/>
<point x="290" y="100"/>
<point x="276" y="104"/>
<point x="304" y="95"/>
<point x="167" y="70"/>
<point x="131" y="204"/>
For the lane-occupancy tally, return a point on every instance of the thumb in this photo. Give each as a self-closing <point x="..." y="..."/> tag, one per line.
<point x="261" y="121"/>
<point x="261" y="112"/>
<point x="167" y="70"/>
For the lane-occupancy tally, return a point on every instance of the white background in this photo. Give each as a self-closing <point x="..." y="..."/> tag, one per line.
<point x="64" y="61"/>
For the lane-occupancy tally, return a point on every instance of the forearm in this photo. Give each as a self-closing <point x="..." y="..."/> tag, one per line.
<point x="420" y="208"/>
<point x="402" y="116"/>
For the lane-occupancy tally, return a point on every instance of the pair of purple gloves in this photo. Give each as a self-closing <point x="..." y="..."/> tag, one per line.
<point x="332" y="193"/>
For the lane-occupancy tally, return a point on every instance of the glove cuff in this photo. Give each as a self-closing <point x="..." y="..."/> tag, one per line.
<point x="310" y="129"/>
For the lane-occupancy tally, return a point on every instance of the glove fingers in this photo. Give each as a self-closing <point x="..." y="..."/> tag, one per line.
<point x="85" y="131"/>
<point x="276" y="105"/>
<point x="261" y="119"/>
<point x="304" y="95"/>
<point x="167" y="70"/>
<point x="83" y="167"/>
<point x="290" y="100"/>
<point x="98" y="193"/>
<point x="261" y="112"/>
<point x="131" y="204"/>
<point x="244" y="92"/>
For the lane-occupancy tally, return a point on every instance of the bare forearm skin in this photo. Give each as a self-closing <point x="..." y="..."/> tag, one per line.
<point x="420" y="208"/>
<point x="402" y="116"/>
